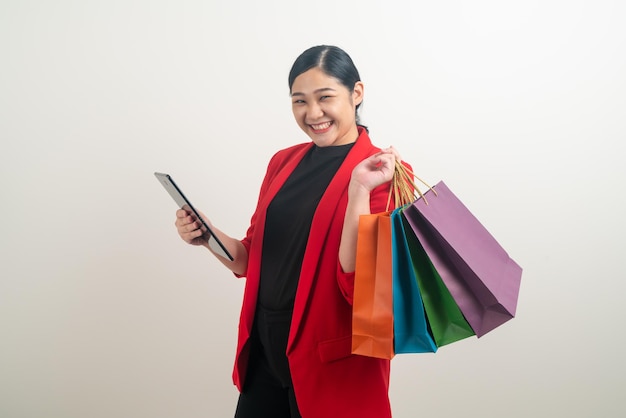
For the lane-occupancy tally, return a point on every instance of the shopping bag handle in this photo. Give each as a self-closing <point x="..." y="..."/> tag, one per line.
<point x="403" y="187"/>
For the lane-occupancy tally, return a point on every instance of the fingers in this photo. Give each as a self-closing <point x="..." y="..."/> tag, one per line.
<point x="393" y="151"/>
<point x="385" y="160"/>
<point x="183" y="218"/>
<point x="190" y="237"/>
<point x="188" y="227"/>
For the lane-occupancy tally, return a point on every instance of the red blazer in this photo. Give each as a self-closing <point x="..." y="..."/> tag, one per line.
<point x="328" y="380"/>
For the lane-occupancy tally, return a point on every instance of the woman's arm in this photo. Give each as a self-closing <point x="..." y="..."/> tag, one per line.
<point x="189" y="230"/>
<point x="366" y="176"/>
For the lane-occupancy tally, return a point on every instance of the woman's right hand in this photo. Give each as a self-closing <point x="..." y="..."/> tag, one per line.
<point x="188" y="227"/>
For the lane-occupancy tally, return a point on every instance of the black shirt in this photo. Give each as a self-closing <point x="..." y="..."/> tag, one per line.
<point x="288" y="221"/>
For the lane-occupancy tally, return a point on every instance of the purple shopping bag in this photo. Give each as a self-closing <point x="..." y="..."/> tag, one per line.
<point x="482" y="278"/>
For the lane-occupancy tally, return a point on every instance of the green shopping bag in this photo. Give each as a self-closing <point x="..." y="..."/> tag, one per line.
<point x="446" y="321"/>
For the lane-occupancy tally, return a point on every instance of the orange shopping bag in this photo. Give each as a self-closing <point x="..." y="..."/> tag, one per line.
<point x="372" y="315"/>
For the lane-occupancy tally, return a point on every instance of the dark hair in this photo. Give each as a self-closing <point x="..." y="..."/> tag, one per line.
<point x="333" y="61"/>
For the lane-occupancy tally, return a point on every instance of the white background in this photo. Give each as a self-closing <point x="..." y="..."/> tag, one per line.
<point x="520" y="106"/>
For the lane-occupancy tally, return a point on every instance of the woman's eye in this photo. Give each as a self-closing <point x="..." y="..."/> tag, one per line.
<point x="298" y="101"/>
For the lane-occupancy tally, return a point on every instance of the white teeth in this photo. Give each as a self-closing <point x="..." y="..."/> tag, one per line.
<point x="321" y="126"/>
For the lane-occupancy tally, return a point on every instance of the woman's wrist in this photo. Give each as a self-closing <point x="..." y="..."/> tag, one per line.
<point x="357" y="190"/>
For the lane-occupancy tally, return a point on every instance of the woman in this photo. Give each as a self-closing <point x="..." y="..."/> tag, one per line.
<point x="298" y="256"/>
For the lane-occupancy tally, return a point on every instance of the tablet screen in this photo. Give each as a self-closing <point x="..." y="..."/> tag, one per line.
<point x="181" y="200"/>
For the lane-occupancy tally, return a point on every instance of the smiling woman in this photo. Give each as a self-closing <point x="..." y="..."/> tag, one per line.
<point x="331" y="77"/>
<point x="325" y="109"/>
<point x="294" y="347"/>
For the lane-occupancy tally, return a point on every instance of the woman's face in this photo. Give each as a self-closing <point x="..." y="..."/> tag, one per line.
<point x="325" y="109"/>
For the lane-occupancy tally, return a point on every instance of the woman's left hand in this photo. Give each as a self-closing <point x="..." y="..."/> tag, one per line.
<point x="375" y="170"/>
<point x="366" y="176"/>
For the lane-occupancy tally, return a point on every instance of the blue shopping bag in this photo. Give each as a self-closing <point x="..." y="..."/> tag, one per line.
<point x="410" y="327"/>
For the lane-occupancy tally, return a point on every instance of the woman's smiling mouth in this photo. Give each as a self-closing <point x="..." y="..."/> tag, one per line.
<point x="321" y="127"/>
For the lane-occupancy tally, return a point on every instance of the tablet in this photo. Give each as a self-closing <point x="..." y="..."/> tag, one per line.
<point x="214" y="243"/>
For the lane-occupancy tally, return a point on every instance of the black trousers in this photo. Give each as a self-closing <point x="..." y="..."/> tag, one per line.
<point x="268" y="391"/>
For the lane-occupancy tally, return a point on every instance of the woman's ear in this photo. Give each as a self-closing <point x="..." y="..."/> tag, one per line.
<point x="358" y="92"/>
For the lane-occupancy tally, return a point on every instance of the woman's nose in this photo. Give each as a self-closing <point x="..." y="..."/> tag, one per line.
<point x="314" y="111"/>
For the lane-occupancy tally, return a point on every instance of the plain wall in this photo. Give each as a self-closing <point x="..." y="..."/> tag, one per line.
<point x="519" y="106"/>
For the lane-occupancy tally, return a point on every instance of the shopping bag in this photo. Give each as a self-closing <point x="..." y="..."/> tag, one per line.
<point x="372" y="310"/>
<point x="446" y="321"/>
<point x="481" y="277"/>
<point x="410" y="329"/>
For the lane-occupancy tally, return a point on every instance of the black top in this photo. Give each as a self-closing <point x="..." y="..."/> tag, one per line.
<point x="288" y="222"/>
